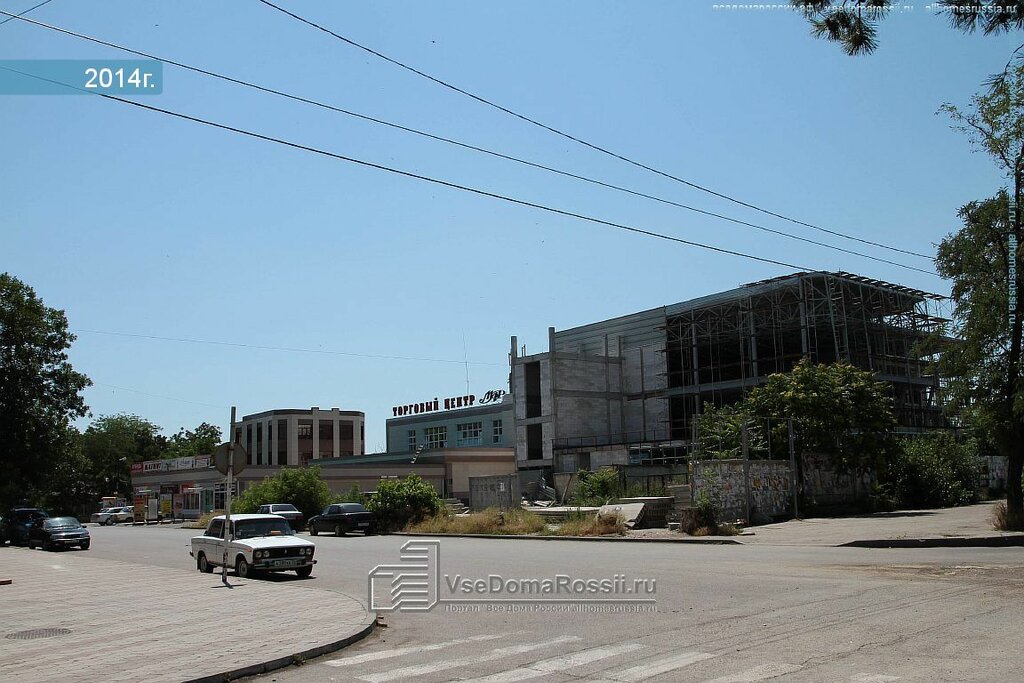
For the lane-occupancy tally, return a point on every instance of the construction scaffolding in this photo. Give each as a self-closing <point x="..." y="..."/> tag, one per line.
<point x="721" y="347"/>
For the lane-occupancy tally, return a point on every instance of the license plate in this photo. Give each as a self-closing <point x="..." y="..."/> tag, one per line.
<point x="364" y="524"/>
<point x="287" y="563"/>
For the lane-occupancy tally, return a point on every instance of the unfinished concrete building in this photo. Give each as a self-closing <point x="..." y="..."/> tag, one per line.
<point x="614" y="388"/>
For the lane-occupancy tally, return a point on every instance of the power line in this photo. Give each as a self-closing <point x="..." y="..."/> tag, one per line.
<point x="281" y="348"/>
<point x="168" y="398"/>
<point x="583" y="142"/>
<point x="465" y="145"/>
<point x="11" y="17"/>
<point x="417" y="176"/>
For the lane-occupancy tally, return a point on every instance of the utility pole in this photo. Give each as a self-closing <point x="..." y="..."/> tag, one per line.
<point x="746" y="466"/>
<point x="792" y="472"/>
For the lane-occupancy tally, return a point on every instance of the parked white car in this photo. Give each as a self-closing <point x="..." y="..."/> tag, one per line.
<point x="95" y="517"/>
<point x="259" y="543"/>
<point x="116" y="515"/>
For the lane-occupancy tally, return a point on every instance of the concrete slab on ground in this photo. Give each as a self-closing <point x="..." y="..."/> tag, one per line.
<point x="68" y="616"/>
<point x="906" y="526"/>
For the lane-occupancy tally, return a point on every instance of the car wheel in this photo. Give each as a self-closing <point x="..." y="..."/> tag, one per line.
<point x="312" y="530"/>
<point x="242" y="568"/>
<point x="369" y="532"/>
<point x="85" y="546"/>
<point x="304" y="572"/>
<point x="47" y="546"/>
<point x="31" y="545"/>
<point x="338" y="531"/>
<point x="203" y="565"/>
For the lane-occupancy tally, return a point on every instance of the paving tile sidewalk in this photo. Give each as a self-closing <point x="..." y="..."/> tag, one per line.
<point x="131" y="622"/>
<point x="969" y="525"/>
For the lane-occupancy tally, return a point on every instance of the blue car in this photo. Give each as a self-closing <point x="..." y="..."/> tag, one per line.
<point x="16" y="523"/>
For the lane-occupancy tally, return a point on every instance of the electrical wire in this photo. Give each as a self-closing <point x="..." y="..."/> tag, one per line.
<point x="585" y="143"/>
<point x="12" y="17"/>
<point x="282" y="348"/>
<point x="417" y="176"/>
<point x="433" y="136"/>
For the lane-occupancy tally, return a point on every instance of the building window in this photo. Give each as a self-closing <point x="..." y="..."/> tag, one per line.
<point x="248" y="444"/>
<point x="534" y="442"/>
<point x="282" y="442"/>
<point x="270" y="443"/>
<point x="326" y="442"/>
<point x="259" y="443"/>
<point x="437" y="437"/>
<point x="412" y="440"/>
<point x="496" y="432"/>
<point x="346" y="429"/>
<point x="304" y="431"/>
<point x="469" y="433"/>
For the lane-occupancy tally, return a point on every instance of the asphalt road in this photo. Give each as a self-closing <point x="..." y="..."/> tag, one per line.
<point x="723" y="613"/>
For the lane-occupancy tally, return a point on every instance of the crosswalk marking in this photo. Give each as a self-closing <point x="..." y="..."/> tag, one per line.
<point x="399" y="651"/>
<point x="555" y="664"/>
<point x="759" y="673"/>
<point x="656" y="667"/>
<point x="499" y="653"/>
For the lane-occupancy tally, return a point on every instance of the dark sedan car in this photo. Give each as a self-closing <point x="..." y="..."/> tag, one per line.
<point x="342" y="518"/>
<point x="58" y="532"/>
<point x="16" y="523"/>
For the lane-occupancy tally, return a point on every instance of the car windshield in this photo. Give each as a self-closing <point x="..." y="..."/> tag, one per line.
<point x="61" y="522"/>
<point x="251" y="528"/>
<point x="352" y="507"/>
<point x="283" y="508"/>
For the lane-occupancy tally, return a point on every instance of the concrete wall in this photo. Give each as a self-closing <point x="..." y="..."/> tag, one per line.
<point x="769" y="482"/>
<point x="500" y="491"/>
<point x="463" y="472"/>
<point x="825" y="486"/>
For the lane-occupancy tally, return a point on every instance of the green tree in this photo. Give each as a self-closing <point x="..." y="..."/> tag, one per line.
<point x="839" y="410"/>
<point x="720" y="432"/>
<point x="597" y="488"/>
<point x="39" y="391"/>
<point x="401" y="502"/>
<point x="933" y="470"/>
<point x="112" y="443"/>
<point x="203" y="440"/>
<point x="300" y="486"/>
<point x="983" y="367"/>
<point x="854" y="23"/>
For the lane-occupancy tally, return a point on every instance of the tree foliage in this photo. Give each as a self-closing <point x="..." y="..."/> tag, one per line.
<point x="720" y="432"/>
<point x="839" y="410"/>
<point x="401" y="502"/>
<point x="854" y="23"/>
<point x="39" y="392"/>
<point x="202" y="440"/>
<point x="933" y="470"/>
<point x="983" y="366"/>
<point x="597" y="488"/>
<point x="300" y="486"/>
<point x="111" y="444"/>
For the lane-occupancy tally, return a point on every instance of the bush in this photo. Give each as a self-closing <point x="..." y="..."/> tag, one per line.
<point x="935" y="470"/>
<point x="597" y="488"/>
<point x="354" y="495"/>
<point x="302" y="487"/>
<point x="401" y="502"/>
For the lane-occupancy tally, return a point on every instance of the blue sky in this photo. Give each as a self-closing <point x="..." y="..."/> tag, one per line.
<point x="133" y="222"/>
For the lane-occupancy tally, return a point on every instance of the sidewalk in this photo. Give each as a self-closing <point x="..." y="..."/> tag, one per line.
<point x="129" y="622"/>
<point x="964" y="526"/>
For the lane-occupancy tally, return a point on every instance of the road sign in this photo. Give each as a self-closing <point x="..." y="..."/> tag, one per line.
<point x="220" y="458"/>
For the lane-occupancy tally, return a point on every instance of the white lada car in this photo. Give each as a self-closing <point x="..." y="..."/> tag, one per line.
<point x="259" y="543"/>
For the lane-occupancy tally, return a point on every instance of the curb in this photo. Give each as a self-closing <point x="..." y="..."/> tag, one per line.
<point x="298" y="658"/>
<point x="604" y="539"/>
<point x="942" y="542"/>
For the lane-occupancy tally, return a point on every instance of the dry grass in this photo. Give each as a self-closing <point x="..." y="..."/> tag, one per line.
<point x="591" y="525"/>
<point x="717" y="530"/>
<point x="491" y="521"/>
<point x="203" y="521"/>
<point x="1003" y="521"/>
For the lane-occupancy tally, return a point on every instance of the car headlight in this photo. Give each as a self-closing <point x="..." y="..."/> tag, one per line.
<point x="258" y="554"/>
<point x="308" y="551"/>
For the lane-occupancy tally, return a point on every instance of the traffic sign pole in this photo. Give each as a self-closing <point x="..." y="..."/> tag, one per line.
<point x="227" y="493"/>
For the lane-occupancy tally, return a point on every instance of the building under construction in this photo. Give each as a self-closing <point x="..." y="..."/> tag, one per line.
<point x="643" y="378"/>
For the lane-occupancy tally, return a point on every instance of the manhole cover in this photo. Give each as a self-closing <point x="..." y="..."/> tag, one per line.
<point x="38" y="633"/>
